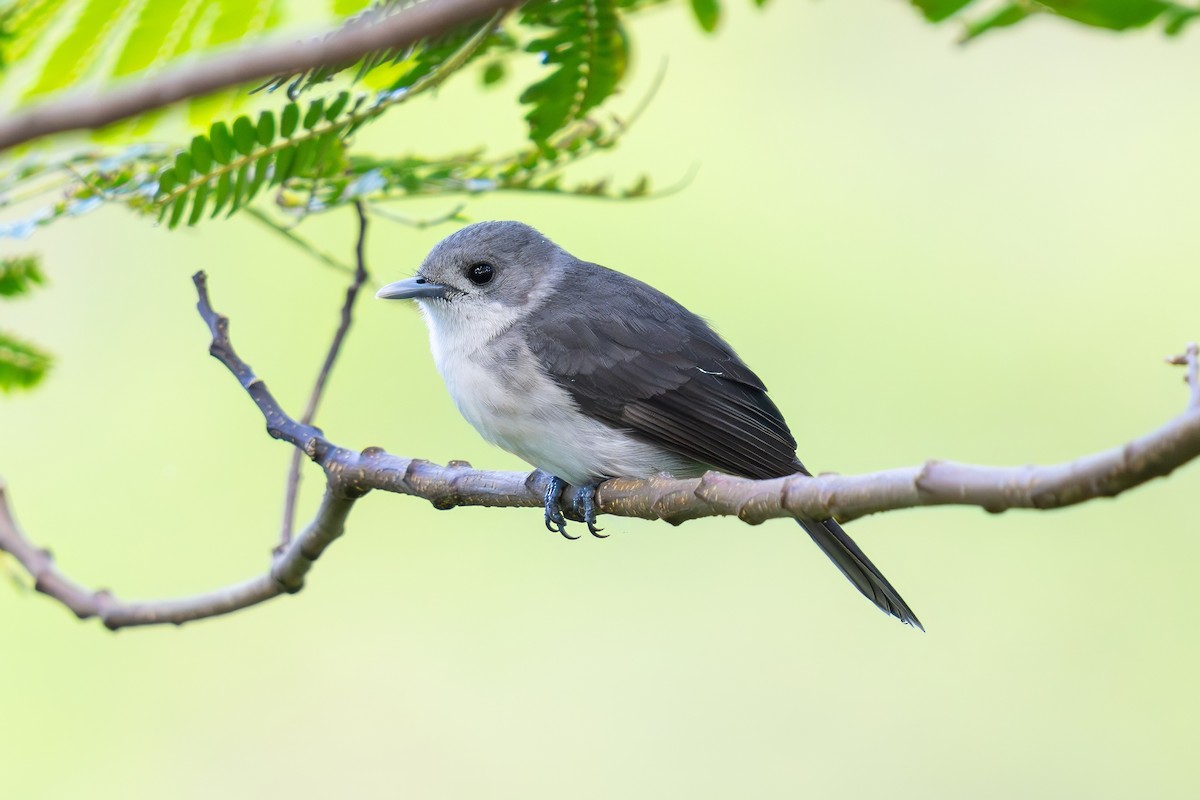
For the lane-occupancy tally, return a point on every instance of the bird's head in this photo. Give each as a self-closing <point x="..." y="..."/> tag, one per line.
<point x="485" y="269"/>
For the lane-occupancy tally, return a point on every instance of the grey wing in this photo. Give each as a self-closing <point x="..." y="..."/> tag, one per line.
<point x="637" y="360"/>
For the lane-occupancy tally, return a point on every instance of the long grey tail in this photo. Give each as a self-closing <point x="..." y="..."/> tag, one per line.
<point x="855" y="565"/>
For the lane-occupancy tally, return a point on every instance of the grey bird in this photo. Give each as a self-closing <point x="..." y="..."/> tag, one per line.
<point x="589" y="374"/>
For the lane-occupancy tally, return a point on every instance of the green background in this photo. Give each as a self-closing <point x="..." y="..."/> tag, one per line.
<point x="974" y="253"/>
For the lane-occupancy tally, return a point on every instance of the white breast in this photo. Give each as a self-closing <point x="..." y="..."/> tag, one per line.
<point x="499" y="388"/>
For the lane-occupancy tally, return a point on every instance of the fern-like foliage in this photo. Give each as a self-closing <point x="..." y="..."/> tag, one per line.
<point x="582" y="41"/>
<point x="64" y="43"/>
<point x="229" y="166"/>
<point x="6" y="34"/>
<point x="22" y="365"/>
<point x="1116" y="15"/>
<point x="25" y="23"/>
<point x="391" y="69"/>
<point x="301" y="152"/>
<point x="142" y="34"/>
<point x="588" y="52"/>
<point x="136" y="177"/>
<point x="533" y="169"/>
<point x="20" y="275"/>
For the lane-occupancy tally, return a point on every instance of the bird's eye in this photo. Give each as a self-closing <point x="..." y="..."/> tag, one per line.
<point x="481" y="273"/>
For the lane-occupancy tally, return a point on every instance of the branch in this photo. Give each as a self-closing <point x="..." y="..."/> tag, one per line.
<point x="256" y="62"/>
<point x="350" y="475"/>
<point x="288" y="567"/>
<point x="314" y="398"/>
<point x="1190" y="360"/>
<point x="286" y="575"/>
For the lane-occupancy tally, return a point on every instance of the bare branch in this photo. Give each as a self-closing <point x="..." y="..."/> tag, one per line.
<point x="286" y="575"/>
<point x="335" y="347"/>
<point x="350" y="475"/>
<point x="289" y="233"/>
<point x="256" y="62"/>
<point x="288" y="567"/>
<point x="844" y="497"/>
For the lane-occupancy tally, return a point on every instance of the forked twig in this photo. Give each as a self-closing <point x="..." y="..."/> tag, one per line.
<point x="318" y="389"/>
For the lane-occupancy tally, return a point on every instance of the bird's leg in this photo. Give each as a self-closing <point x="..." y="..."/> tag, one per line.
<point x="585" y="503"/>
<point x="555" y="521"/>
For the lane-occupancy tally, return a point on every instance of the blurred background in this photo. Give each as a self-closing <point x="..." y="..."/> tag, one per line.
<point x="979" y="253"/>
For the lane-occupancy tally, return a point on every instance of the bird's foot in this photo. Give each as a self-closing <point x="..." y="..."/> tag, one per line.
<point x="555" y="521"/>
<point x="583" y="503"/>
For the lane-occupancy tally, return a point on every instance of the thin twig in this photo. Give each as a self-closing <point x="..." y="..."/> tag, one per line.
<point x="286" y="576"/>
<point x="296" y="239"/>
<point x="314" y="397"/>
<point x="420" y="223"/>
<point x="256" y="61"/>
<point x="1191" y="360"/>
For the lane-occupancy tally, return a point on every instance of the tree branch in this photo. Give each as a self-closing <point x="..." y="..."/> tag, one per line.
<point x="335" y="347"/>
<point x="256" y="62"/>
<point x="350" y="475"/>
<point x="286" y="575"/>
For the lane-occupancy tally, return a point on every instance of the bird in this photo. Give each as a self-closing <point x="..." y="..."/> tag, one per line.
<point x="589" y="374"/>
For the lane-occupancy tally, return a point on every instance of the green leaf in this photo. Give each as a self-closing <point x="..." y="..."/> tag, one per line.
<point x="587" y="48"/>
<point x="19" y="275"/>
<point x="315" y="113"/>
<point x="177" y="210"/>
<point x="241" y="188"/>
<point x="22" y="365"/>
<point x="202" y="154"/>
<point x="389" y="69"/>
<point x="183" y="166"/>
<point x="166" y="181"/>
<point x="344" y="8"/>
<point x="222" y="142"/>
<point x="265" y="129"/>
<point x="244" y="135"/>
<point x="261" y="168"/>
<point x="283" y="165"/>
<point x="305" y="155"/>
<point x="157" y="24"/>
<point x="938" y="10"/>
<point x="1117" y="15"/>
<point x="291" y="116"/>
<point x="29" y="20"/>
<point x="493" y="73"/>
<point x="223" y="192"/>
<point x="1178" y="18"/>
<point x="325" y="150"/>
<point x="76" y="52"/>
<point x="237" y="20"/>
<point x="1002" y="18"/>
<point x="336" y="107"/>
<point x="199" y="199"/>
<point x="708" y="13"/>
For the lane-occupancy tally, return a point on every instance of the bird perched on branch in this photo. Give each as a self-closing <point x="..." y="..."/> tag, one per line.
<point x="589" y="374"/>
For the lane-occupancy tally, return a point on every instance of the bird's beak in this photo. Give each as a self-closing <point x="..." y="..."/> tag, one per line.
<point x="411" y="289"/>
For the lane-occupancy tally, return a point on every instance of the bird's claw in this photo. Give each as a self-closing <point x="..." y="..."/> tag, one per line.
<point x="583" y="500"/>
<point x="555" y="521"/>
